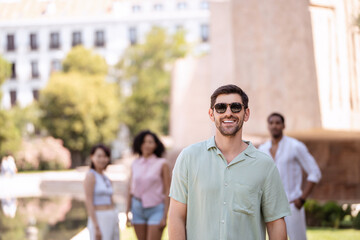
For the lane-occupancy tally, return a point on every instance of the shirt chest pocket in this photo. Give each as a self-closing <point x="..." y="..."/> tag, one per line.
<point x="244" y="199"/>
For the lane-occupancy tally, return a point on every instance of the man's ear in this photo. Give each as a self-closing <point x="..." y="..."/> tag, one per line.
<point x="247" y="114"/>
<point x="211" y="114"/>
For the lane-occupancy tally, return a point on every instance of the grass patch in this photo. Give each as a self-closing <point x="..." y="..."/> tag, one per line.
<point x="332" y="234"/>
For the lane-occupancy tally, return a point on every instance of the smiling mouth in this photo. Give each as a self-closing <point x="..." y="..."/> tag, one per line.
<point x="229" y="121"/>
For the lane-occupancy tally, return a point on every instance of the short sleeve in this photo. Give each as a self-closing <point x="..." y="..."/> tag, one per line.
<point x="274" y="202"/>
<point x="179" y="181"/>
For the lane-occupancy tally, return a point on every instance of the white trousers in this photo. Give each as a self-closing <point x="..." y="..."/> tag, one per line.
<point x="296" y="223"/>
<point x="109" y="225"/>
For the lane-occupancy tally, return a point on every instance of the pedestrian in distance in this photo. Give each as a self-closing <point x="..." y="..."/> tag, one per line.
<point x="149" y="185"/>
<point x="291" y="158"/>
<point x="224" y="188"/>
<point x="103" y="222"/>
<point x="8" y="166"/>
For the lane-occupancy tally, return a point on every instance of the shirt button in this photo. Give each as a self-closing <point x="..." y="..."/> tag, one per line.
<point x="222" y="221"/>
<point x="226" y="184"/>
<point x="224" y="203"/>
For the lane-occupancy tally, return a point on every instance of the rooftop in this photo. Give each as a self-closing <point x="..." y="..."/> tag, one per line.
<point x="45" y="9"/>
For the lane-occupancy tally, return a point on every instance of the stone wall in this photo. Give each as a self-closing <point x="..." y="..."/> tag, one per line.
<point x="339" y="161"/>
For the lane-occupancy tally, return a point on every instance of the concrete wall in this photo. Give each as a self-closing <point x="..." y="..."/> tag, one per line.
<point x="337" y="53"/>
<point x="339" y="162"/>
<point x="190" y="102"/>
<point x="301" y="58"/>
<point x="274" y="62"/>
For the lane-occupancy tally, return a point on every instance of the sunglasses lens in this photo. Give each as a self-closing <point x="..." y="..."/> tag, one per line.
<point x="220" y="107"/>
<point x="235" y="107"/>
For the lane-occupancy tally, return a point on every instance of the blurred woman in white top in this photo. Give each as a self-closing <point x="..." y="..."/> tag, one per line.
<point x="103" y="223"/>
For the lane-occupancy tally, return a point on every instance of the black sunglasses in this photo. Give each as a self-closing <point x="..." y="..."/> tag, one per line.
<point x="235" y="107"/>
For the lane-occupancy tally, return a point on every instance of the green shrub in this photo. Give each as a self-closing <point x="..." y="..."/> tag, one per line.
<point x="356" y="221"/>
<point x="333" y="214"/>
<point x="329" y="214"/>
<point x="314" y="213"/>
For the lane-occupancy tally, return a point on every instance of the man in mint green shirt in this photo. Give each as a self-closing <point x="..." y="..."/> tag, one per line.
<point x="224" y="188"/>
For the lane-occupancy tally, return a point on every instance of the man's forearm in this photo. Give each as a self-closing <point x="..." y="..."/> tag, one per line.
<point x="309" y="186"/>
<point x="277" y="229"/>
<point x="176" y="228"/>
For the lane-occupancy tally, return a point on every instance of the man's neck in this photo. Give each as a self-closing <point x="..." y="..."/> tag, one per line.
<point x="276" y="140"/>
<point x="230" y="146"/>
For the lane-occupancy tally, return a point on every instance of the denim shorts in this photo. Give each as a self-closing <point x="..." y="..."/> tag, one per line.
<point x="149" y="216"/>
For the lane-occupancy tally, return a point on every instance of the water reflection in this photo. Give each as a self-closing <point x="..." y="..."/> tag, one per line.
<point x="42" y="218"/>
<point x="8" y="206"/>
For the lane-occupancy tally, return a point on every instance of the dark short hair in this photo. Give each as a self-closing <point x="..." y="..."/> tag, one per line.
<point x="104" y="148"/>
<point x="277" y="115"/>
<point x="139" y="140"/>
<point x="229" y="89"/>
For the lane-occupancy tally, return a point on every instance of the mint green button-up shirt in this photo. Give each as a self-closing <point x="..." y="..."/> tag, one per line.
<point x="227" y="201"/>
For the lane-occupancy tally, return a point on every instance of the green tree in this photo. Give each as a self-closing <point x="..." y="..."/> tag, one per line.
<point x="85" y="61"/>
<point x="26" y="119"/>
<point x="146" y="67"/>
<point x="5" y="70"/>
<point x="10" y="137"/>
<point x="9" y="134"/>
<point x="79" y="106"/>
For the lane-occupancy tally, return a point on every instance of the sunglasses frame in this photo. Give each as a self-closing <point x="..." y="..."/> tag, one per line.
<point x="229" y="105"/>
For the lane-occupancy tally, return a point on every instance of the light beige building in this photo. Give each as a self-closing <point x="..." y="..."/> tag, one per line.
<point x="301" y="58"/>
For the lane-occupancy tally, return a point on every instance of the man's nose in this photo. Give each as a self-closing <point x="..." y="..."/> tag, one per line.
<point x="228" y="111"/>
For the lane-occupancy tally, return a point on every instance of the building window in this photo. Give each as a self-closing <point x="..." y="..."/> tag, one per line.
<point x="158" y="7"/>
<point x="33" y="41"/>
<point x="99" y="39"/>
<point x="54" y="40"/>
<point x="181" y="5"/>
<point x="10" y="42"/>
<point x="204" y="31"/>
<point x="35" y="93"/>
<point x="76" y="38"/>
<point x="204" y="5"/>
<point x="34" y="69"/>
<point x="136" y="8"/>
<point x="13" y="71"/>
<point x="132" y="36"/>
<point x="13" y="98"/>
<point x="55" y="66"/>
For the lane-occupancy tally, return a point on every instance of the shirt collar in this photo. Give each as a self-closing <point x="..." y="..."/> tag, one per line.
<point x="249" y="151"/>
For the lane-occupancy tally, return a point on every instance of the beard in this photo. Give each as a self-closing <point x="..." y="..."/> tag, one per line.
<point x="229" y="132"/>
<point x="276" y="134"/>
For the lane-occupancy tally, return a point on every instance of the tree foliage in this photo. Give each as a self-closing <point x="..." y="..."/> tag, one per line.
<point x="5" y="70"/>
<point x="9" y="134"/>
<point x="146" y="67"/>
<point x="85" y="61"/>
<point x="80" y="108"/>
<point x="10" y="137"/>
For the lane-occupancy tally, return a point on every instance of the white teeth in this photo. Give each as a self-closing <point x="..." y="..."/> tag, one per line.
<point x="228" y="121"/>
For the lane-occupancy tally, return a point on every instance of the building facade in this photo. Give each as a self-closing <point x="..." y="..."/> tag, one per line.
<point x="300" y="58"/>
<point x="36" y="35"/>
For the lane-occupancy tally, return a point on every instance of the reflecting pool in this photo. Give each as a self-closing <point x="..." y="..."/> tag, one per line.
<point x="41" y="218"/>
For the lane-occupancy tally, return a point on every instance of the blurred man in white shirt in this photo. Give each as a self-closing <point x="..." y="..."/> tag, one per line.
<point x="292" y="157"/>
